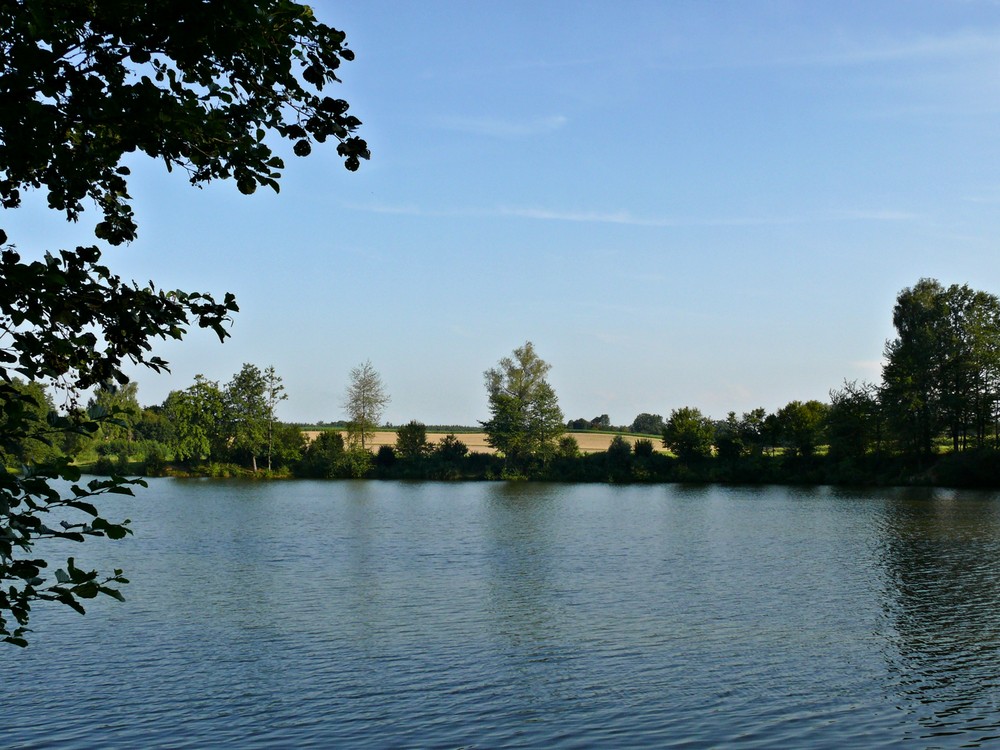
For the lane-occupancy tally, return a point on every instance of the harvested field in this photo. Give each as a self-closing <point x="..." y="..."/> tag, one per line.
<point x="589" y="442"/>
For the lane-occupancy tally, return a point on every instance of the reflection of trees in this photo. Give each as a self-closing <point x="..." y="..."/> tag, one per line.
<point x="941" y="557"/>
<point x="519" y="540"/>
<point x="530" y="610"/>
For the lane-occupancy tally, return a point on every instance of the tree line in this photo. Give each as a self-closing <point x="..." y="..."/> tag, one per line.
<point x="934" y="417"/>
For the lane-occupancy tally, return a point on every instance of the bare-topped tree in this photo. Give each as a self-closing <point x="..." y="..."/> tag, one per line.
<point x="364" y="402"/>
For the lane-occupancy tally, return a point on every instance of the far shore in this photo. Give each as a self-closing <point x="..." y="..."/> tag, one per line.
<point x="589" y="442"/>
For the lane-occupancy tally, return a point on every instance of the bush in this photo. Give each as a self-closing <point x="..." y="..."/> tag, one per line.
<point x="154" y="457"/>
<point x="411" y="440"/>
<point x="354" y="464"/>
<point x="568" y="447"/>
<point x="451" y="449"/>
<point x="643" y="447"/>
<point x="105" y="466"/>
<point x="385" y="457"/>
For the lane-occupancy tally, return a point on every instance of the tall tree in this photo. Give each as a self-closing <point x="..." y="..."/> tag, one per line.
<point x="247" y="413"/>
<point x="118" y="406"/>
<point x="912" y="372"/>
<point x="197" y="415"/>
<point x="942" y="371"/>
<point x="728" y="438"/>
<point x="274" y="393"/>
<point x="526" y="420"/>
<point x="36" y="447"/>
<point x="971" y="360"/>
<point x="207" y="87"/>
<point x="365" y="401"/>
<point x="854" y="420"/>
<point x="753" y="434"/>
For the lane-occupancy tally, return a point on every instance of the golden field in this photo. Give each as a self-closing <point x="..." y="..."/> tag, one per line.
<point x="589" y="442"/>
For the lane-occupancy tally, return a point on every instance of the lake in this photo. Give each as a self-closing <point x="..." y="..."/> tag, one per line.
<point x="490" y="615"/>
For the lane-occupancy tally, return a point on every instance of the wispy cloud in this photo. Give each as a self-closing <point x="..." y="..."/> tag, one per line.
<point x="383" y="208"/>
<point x="626" y="218"/>
<point x="588" y="217"/>
<point x="503" y="128"/>
<point x="991" y="197"/>
<point x="853" y="51"/>
<point x="923" y="47"/>
<point x="878" y="215"/>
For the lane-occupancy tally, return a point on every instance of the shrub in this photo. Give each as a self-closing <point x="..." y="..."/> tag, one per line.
<point x="643" y="447"/>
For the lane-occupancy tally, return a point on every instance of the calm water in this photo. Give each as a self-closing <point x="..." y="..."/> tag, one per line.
<point x="392" y="615"/>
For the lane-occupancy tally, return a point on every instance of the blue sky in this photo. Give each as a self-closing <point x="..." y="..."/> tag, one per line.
<point x="679" y="203"/>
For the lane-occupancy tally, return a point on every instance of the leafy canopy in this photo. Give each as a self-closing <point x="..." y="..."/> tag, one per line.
<point x="526" y="419"/>
<point x="208" y="87"/>
<point x="200" y="85"/>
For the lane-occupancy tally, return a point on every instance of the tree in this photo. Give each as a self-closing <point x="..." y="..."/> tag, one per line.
<point x="451" y="449"/>
<point x="411" y="440"/>
<point x="752" y="430"/>
<point x="568" y="447"/>
<point x="35" y="448"/>
<point x="364" y="401"/>
<point x="970" y="369"/>
<point x="197" y="415"/>
<point x="619" y="453"/>
<point x="118" y="406"/>
<point x="802" y="426"/>
<point x="647" y="424"/>
<point x="526" y="419"/>
<point x="274" y="393"/>
<point x="247" y="413"/>
<point x="205" y="87"/>
<point x="288" y="445"/>
<point x="602" y="422"/>
<point x="854" y="420"/>
<point x="729" y="438"/>
<point x="942" y="370"/>
<point x="913" y="363"/>
<point x="643" y="448"/>
<point x="323" y="456"/>
<point x="689" y="434"/>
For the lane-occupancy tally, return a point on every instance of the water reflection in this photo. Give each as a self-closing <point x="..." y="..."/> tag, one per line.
<point x="337" y="614"/>
<point x="940" y="551"/>
<point x="518" y="547"/>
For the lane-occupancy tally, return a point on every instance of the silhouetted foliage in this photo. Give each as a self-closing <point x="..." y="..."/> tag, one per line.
<point x="199" y="86"/>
